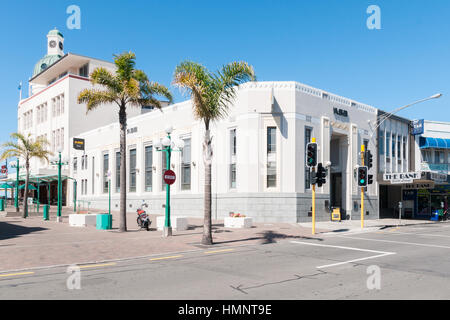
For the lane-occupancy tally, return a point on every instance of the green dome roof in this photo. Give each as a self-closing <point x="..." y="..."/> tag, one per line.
<point x="55" y="32"/>
<point x="45" y="62"/>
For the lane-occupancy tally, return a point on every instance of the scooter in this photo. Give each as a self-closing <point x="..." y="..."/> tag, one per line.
<point x="143" y="220"/>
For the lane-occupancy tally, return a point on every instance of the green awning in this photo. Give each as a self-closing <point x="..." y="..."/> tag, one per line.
<point x="30" y="187"/>
<point x="6" y="186"/>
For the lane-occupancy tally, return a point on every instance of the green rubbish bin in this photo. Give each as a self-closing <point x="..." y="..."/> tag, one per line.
<point x="104" y="221"/>
<point x="46" y="212"/>
<point x="2" y="204"/>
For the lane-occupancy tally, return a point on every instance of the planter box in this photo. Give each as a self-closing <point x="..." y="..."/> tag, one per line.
<point x="244" y="222"/>
<point x="82" y="220"/>
<point x="178" y="223"/>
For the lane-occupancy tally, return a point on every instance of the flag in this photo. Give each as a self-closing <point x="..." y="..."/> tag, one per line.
<point x="20" y="86"/>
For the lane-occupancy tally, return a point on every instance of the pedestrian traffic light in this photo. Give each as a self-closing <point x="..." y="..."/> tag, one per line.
<point x="368" y="159"/>
<point x="321" y="173"/>
<point x="370" y="179"/>
<point x="311" y="154"/>
<point x="362" y="176"/>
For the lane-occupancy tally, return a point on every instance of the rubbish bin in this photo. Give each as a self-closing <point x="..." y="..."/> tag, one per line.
<point x="2" y="204"/>
<point x="46" y="212"/>
<point x="104" y="221"/>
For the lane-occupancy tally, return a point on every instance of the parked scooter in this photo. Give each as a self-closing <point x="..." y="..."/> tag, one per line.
<point x="143" y="220"/>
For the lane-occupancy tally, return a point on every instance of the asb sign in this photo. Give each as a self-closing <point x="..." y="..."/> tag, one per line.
<point x="417" y="127"/>
<point x="78" y="144"/>
<point x="169" y="177"/>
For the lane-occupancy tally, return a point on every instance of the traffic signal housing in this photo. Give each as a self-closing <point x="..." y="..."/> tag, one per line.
<point x="311" y="154"/>
<point x="321" y="173"/>
<point x="368" y="159"/>
<point x="370" y="179"/>
<point x="313" y="177"/>
<point x="362" y="176"/>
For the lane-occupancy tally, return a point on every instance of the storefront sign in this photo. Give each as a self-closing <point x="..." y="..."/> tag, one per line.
<point x="438" y="177"/>
<point x="132" y="130"/>
<point x="399" y="178"/>
<point x="418" y="186"/>
<point x="417" y="127"/>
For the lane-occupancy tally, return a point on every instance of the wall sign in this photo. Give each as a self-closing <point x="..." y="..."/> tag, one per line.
<point x="413" y="186"/>
<point x="340" y="112"/>
<point x="132" y="130"/>
<point x="78" y="144"/>
<point x="417" y="127"/>
<point x="406" y="177"/>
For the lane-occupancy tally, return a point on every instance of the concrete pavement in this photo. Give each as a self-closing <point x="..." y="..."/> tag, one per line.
<point x="412" y="263"/>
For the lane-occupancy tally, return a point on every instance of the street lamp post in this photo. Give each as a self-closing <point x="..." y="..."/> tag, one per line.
<point x="109" y="191"/>
<point x="59" y="162"/>
<point x="16" y="164"/>
<point x="166" y="145"/>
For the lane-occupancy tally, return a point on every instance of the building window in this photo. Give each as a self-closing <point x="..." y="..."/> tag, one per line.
<point x="105" y="172"/>
<point x="399" y="147"/>
<point x="186" y="165"/>
<point x="75" y="164"/>
<point x="233" y="159"/>
<point x="84" y="71"/>
<point x="393" y="146"/>
<point x="117" y="172"/>
<point x="426" y="156"/>
<point x="439" y="157"/>
<point x="308" y="133"/>
<point x="404" y="148"/>
<point x="388" y="139"/>
<point x="271" y="157"/>
<point x="133" y="170"/>
<point x="148" y="168"/>
<point x="93" y="175"/>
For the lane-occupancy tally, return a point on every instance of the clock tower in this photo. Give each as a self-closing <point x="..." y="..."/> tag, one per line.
<point x="55" y="43"/>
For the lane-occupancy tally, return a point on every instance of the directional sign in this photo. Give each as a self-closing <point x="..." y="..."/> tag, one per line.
<point x="169" y="177"/>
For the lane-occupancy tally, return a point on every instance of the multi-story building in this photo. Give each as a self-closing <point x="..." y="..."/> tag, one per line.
<point x="52" y="111"/>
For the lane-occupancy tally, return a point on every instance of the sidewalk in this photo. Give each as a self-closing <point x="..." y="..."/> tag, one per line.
<point x="32" y="242"/>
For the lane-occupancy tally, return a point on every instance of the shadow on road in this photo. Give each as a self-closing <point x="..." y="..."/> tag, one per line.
<point x="267" y="237"/>
<point x="9" y="230"/>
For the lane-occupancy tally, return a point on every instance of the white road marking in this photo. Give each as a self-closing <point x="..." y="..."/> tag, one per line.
<point x="399" y="242"/>
<point x="422" y="234"/>
<point x="380" y="253"/>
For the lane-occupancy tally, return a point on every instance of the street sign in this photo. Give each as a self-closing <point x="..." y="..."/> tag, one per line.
<point x="417" y="127"/>
<point x="78" y="144"/>
<point x="169" y="177"/>
<point x="4" y="169"/>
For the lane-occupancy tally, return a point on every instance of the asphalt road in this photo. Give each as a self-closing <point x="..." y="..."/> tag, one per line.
<point x="396" y="263"/>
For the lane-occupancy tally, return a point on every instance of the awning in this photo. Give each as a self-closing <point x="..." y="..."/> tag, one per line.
<point x="438" y="143"/>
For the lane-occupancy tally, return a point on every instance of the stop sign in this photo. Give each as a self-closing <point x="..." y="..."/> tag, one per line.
<point x="169" y="177"/>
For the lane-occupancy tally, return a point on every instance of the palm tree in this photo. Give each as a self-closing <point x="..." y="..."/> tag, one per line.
<point x="127" y="87"/>
<point x="25" y="147"/>
<point x="211" y="94"/>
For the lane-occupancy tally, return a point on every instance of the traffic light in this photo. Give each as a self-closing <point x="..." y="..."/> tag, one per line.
<point x="313" y="177"/>
<point x="321" y="173"/>
<point x="362" y="176"/>
<point x="311" y="154"/>
<point x="368" y="159"/>
<point x="370" y="179"/>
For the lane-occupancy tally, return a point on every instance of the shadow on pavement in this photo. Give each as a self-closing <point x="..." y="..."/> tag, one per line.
<point x="9" y="230"/>
<point x="270" y="237"/>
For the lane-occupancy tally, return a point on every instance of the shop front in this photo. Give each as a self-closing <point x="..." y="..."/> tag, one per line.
<point x="430" y="200"/>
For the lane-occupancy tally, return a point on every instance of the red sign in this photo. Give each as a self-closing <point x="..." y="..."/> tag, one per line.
<point x="4" y="169"/>
<point x="169" y="177"/>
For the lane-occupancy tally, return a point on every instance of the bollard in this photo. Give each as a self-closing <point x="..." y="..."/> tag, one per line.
<point x="46" y="212"/>
<point x="2" y="204"/>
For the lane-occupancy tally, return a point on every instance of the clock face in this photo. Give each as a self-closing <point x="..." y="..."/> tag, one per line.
<point x="61" y="45"/>
<point x="52" y="44"/>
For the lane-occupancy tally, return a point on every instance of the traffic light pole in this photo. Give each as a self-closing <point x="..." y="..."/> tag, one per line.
<point x="313" y="200"/>
<point x="362" y="190"/>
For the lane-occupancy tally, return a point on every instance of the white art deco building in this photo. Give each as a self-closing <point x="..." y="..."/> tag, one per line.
<point x="259" y="149"/>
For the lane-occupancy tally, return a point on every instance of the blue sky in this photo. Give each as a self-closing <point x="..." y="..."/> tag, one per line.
<point x="325" y="44"/>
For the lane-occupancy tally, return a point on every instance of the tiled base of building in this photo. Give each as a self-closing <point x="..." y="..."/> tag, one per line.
<point x="268" y="207"/>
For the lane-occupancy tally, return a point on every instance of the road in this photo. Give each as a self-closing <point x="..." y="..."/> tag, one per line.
<point x="413" y="263"/>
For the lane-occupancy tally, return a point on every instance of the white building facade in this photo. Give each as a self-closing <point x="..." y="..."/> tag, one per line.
<point x="259" y="157"/>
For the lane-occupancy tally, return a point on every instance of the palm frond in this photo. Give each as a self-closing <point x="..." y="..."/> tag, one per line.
<point x="94" y="98"/>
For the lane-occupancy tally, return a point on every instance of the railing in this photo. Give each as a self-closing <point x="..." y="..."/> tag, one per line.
<point x="435" y="167"/>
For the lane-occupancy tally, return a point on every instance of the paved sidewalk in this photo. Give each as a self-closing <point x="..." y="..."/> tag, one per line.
<point x="32" y="242"/>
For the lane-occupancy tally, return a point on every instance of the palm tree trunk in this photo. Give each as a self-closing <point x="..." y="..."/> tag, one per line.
<point x="123" y="169"/>
<point x="25" y="196"/>
<point x="207" y="154"/>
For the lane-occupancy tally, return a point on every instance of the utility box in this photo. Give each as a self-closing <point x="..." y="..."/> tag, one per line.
<point x="104" y="221"/>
